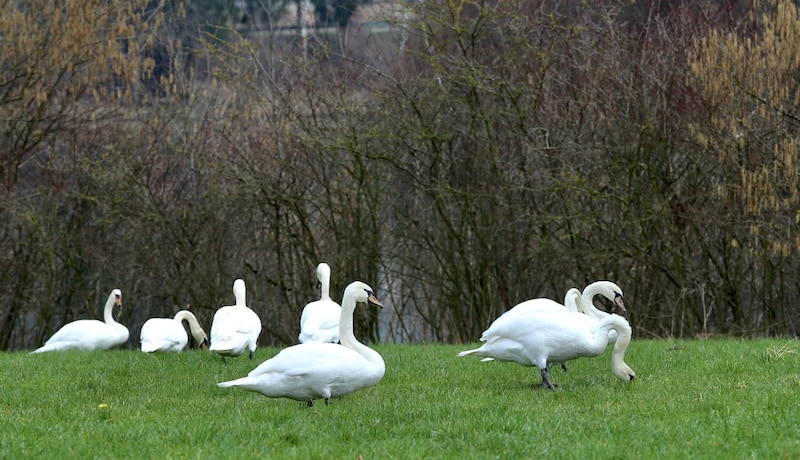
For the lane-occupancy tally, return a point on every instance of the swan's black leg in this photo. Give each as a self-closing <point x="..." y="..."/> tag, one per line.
<point x="223" y="359"/>
<point x="327" y="401"/>
<point x="310" y="403"/>
<point x="564" y="367"/>
<point x="546" y="380"/>
<point x="252" y="354"/>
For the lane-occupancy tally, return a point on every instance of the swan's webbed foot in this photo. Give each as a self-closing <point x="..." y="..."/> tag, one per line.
<point x="546" y="380"/>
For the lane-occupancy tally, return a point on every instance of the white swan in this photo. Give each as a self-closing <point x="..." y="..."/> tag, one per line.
<point x="235" y="328"/>
<point x="319" y="321"/>
<point x="572" y="300"/>
<point x="168" y="334"/>
<point x="539" y="338"/>
<point x="90" y="334"/>
<point x="314" y="370"/>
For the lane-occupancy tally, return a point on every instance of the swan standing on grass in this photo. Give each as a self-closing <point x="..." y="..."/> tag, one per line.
<point x="168" y="334"/>
<point x="319" y="321"/>
<point x="235" y="328"/>
<point x="309" y="371"/>
<point x="90" y="334"/>
<point x="539" y="338"/>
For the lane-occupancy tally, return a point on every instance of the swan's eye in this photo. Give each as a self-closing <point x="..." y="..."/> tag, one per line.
<point x="116" y="295"/>
<point x="617" y="294"/>
<point x="369" y="293"/>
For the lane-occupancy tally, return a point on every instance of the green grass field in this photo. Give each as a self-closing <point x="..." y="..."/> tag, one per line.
<point x="691" y="399"/>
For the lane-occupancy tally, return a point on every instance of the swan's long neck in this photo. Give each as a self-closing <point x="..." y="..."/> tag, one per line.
<point x="325" y="286"/>
<point x="108" y="311"/>
<point x="573" y="300"/>
<point x="240" y="293"/>
<point x="346" y="336"/>
<point x="623" y="328"/>
<point x="587" y="301"/>
<point x="623" y="340"/>
<point x="194" y="326"/>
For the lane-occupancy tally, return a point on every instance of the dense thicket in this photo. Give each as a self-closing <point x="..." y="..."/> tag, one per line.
<point x="469" y="156"/>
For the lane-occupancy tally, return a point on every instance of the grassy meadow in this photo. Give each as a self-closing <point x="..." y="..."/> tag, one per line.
<point x="700" y="399"/>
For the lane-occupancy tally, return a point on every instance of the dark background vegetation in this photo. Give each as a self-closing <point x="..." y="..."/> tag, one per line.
<point x="458" y="156"/>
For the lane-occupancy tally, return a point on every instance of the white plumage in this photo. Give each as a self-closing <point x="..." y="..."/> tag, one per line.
<point x="319" y="321"/>
<point x="538" y="336"/>
<point x="310" y="371"/>
<point x="90" y="334"/>
<point x="608" y="290"/>
<point x="168" y="334"/>
<point x="235" y="328"/>
<point x="572" y="300"/>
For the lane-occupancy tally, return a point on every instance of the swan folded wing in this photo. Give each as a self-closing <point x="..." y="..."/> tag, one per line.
<point x="149" y="346"/>
<point x="87" y="334"/>
<point x="228" y="323"/>
<point x="162" y="334"/>
<point x="522" y="309"/>
<point x="324" y="369"/>
<point x="320" y="314"/>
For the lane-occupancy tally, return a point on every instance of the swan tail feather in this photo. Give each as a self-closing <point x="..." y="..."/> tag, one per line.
<point x="467" y="352"/>
<point x="234" y="383"/>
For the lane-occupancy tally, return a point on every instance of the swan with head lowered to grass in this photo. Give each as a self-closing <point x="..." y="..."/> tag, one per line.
<point x="168" y="334"/>
<point x="574" y="301"/>
<point x="310" y="371"/>
<point x="541" y="337"/>
<point x="235" y="328"/>
<point x="90" y="334"/>
<point x="319" y="321"/>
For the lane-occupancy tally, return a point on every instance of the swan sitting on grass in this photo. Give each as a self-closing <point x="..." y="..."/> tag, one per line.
<point x="309" y="371"/>
<point x="90" y="334"/>
<point x="168" y="334"/>
<point x="319" y="321"/>
<point x="235" y="328"/>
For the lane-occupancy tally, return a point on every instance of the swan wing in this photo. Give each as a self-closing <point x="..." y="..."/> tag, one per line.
<point x="319" y="322"/>
<point x="309" y="357"/>
<point x="162" y="334"/>
<point x="231" y="321"/>
<point x="234" y="329"/>
<point x="511" y="317"/>
<point x="86" y="334"/>
<point x="311" y="370"/>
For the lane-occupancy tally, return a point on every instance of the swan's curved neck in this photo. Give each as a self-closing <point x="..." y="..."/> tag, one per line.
<point x="108" y="311"/>
<point x="194" y="326"/>
<point x="623" y="329"/>
<point x="587" y="300"/>
<point x="346" y="336"/>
